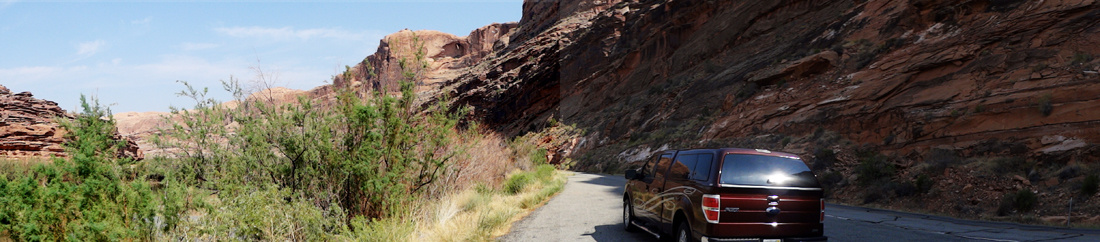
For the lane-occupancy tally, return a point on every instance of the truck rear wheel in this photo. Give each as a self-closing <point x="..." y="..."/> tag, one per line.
<point x="683" y="233"/>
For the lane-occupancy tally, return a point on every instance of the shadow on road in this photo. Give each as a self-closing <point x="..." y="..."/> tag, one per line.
<point x="615" y="233"/>
<point x="615" y="183"/>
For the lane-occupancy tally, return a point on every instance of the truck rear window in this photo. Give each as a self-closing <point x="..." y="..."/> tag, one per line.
<point x="762" y="170"/>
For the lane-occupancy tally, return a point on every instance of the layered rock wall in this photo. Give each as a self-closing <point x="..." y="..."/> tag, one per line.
<point x="27" y="126"/>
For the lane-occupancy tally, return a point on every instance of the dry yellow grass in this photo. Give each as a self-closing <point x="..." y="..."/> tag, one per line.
<point x="21" y="164"/>
<point x="487" y="161"/>
<point x="474" y="215"/>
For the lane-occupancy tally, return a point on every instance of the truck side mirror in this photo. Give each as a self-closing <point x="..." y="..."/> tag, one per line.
<point x="631" y="174"/>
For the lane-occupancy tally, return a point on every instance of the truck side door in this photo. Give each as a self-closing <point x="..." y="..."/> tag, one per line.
<point x="651" y="207"/>
<point x="678" y="186"/>
<point x="639" y="188"/>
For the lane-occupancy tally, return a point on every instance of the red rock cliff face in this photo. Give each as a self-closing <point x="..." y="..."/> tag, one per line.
<point x="27" y="128"/>
<point x="927" y="84"/>
<point x="902" y="75"/>
<point x="444" y="57"/>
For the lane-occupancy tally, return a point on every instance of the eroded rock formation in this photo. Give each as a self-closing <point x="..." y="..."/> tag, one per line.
<point x="924" y="83"/>
<point x="27" y="126"/>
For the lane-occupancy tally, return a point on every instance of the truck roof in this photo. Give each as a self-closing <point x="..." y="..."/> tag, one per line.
<point x="739" y="151"/>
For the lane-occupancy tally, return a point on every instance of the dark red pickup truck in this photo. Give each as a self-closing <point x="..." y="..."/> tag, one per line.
<point x="725" y="195"/>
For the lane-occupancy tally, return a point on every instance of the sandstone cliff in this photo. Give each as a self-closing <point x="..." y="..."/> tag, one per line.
<point x="987" y="97"/>
<point x="27" y="128"/>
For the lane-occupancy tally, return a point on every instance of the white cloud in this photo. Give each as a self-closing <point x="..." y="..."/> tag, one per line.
<point x="89" y="48"/>
<point x="197" y="46"/>
<point x="291" y="33"/>
<point x="27" y="73"/>
<point x="142" y="21"/>
<point x="5" y="3"/>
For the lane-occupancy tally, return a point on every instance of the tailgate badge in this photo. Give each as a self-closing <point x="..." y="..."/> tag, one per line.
<point x="732" y="210"/>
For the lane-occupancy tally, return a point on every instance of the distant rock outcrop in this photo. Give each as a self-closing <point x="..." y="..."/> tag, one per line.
<point x="29" y="128"/>
<point x="445" y="56"/>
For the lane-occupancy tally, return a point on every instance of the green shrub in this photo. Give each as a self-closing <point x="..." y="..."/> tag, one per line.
<point x="542" y="194"/>
<point x="371" y="156"/>
<point x="1045" y="105"/>
<point x="493" y="219"/>
<point x="1090" y="185"/>
<point x="545" y="172"/>
<point x="83" y="197"/>
<point x="538" y="156"/>
<point x="923" y="183"/>
<point x="874" y="167"/>
<point x="823" y="158"/>
<point x="1081" y="57"/>
<point x="380" y="230"/>
<point x="1021" y="201"/>
<point x="477" y="200"/>
<point x="518" y="182"/>
<point x="940" y="159"/>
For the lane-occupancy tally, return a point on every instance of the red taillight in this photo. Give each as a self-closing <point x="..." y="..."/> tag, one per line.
<point x="822" y="210"/>
<point x="711" y="208"/>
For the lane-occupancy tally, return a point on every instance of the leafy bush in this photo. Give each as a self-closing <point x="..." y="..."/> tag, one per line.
<point x="1081" y="57"/>
<point x="538" y="156"/>
<point x="1069" y="172"/>
<point x="940" y="159"/>
<point x="380" y="230"/>
<point x="1090" y="185"/>
<point x="1006" y="165"/>
<point x="1021" y="201"/>
<point x="874" y="167"/>
<point x="518" y="182"/>
<point x="1045" y="105"/>
<point x="871" y="197"/>
<point x="830" y="179"/>
<point x="823" y="159"/>
<point x="901" y="189"/>
<point x="84" y="197"/>
<point x="923" y="183"/>
<point x="369" y="156"/>
<point x="544" y="172"/>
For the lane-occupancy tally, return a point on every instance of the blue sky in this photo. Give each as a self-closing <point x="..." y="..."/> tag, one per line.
<point x="130" y="53"/>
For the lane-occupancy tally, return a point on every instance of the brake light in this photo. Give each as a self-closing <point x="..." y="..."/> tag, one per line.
<point x="711" y="208"/>
<point x="822" y="210"/>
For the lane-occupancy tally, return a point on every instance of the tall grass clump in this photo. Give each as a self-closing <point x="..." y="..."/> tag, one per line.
<point x="480" y="214"/>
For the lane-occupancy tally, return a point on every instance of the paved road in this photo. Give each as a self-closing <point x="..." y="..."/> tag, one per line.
<point x="589" y="206"/>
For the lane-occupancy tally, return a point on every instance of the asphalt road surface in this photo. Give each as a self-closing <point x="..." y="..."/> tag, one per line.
<point x="589" y="206"/>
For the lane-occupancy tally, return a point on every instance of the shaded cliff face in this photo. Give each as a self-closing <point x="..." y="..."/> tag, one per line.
<point x="901" y="75"/>
<point x="917" y="84"/>
<point x="989" y="96"/>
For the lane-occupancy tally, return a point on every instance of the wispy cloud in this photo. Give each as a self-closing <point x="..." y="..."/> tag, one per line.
<point x="28" y="74"/>
<point x="291" y="33"/>
<point x="197" y="46"/>
<point x="142" y="21"/>
<point x="5" y="3"/>
<point x="89" y="48"/>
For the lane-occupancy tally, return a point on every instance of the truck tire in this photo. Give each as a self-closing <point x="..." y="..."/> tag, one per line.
<point x="628" y="217"/>
<point x="683" y="233"/>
